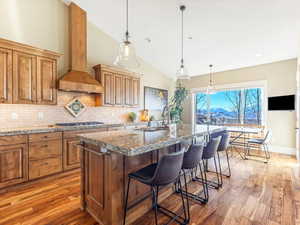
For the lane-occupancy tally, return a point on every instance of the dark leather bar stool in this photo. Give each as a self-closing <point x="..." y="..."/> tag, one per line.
<point x="191" y="160"/>
<point x="209" y="152"/>
<point x="165" y="172"/>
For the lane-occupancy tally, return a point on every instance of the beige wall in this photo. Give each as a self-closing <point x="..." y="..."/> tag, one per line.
<point x="44" y="24"/>
<point x="281" y="80"/>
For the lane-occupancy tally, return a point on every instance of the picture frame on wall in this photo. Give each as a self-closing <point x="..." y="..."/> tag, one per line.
<point x="155" y="99"/>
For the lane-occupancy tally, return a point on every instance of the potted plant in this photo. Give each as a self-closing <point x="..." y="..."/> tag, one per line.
<point x="176" y="105"/>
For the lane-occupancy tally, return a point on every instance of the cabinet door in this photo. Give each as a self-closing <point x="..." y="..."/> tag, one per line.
<point x="119" y="90"/>
<point x="71" y="155"/>
<point x="128" y="91"/>
<point x="5" y="76"/>
<point x="24" y="78"/>
<point x="136" y="91"/>
<point x="46" y="81"/>
<point x="109" y="93"/>
<point x="13" y="164"/>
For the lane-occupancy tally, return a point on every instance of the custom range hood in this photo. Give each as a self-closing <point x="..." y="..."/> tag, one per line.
<point x="78" y="79"/>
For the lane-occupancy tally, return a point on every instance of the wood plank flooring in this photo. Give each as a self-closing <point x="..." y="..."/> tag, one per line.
<point x="256" y="194"/>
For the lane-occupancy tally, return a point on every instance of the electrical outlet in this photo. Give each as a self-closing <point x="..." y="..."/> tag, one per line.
<point x="14" y="116"/>
<point x="40" y="115"/>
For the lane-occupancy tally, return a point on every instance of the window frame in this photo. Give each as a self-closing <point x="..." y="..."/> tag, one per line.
<point x="262" y="84"/>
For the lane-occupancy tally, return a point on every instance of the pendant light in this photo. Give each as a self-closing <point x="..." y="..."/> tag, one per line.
<point x="127" y="56"/>
<point x="182" y="73"/>
<point x="210" y="88"/>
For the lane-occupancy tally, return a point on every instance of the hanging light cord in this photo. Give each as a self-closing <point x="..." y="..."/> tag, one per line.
<point x="210" y="76"/>
<point x="127" y="21"/>
<point x="182" y="8"/>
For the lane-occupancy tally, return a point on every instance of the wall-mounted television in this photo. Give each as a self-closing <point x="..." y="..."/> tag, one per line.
<point x="281" y="103"/>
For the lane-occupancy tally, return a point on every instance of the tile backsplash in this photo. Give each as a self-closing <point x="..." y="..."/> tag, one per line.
<point x="15" y="115"/>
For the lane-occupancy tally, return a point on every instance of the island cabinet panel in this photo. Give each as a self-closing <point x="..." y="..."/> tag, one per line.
<point x="46" y="81"/>
<point x="24" y="78"/>
<point x="13" y="164"/>
<point x="5" y="76"/>
<point x="96" y="176"/>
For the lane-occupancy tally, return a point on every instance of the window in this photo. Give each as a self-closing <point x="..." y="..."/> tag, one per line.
<point x="239" y="106"/>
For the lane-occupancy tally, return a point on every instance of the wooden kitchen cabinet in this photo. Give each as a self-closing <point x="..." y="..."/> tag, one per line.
<point x="24" y="78"/>
<point x="27" y="74"/>
<point x="136" y="91"/>
<point x="5" y="76"/>
<point x="122" y="88"/>
<point x="13" y="160"/>
<point x="71" y="157"/>
<point x="45" y="154"/>
<point x="128" y="91"/>
<point x="46" y="81"/>
<point x="71" y="148"/>
<point x="119" y="90"/>
<point x="109" y="88"/>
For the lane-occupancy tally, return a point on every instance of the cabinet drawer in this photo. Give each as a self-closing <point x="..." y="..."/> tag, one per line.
<point x="44" y="167"/>
<point x="11" y="140"/>
<point x="44" y="136"/>
<point x="72" y="134"/>
<point x="45" y="149"/>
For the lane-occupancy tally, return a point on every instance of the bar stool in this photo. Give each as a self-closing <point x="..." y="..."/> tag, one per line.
<point x="191" y="160"/>
<point x="165" y="172"/>
<point x="209" y="152"/>
<point x="223" y="146"/>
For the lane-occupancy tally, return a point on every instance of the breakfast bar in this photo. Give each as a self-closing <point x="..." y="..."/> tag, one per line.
<point x="108" y="157"/>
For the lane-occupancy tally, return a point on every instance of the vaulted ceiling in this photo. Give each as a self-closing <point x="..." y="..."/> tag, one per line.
<point x="230" y="34"/>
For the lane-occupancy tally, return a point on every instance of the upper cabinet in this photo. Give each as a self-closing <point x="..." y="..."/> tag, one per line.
<point x="46" y="81"/>
<point x="121" y="88"/>
<point x="5" y="75"/>
<point x="27" y="75"/>
<point x="24" y="78"/>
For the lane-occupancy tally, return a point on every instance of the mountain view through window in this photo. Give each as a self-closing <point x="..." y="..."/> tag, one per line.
<point x="242" y="106"/>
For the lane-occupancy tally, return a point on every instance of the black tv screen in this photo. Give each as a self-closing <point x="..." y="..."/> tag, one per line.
<point x="282" y="103"/>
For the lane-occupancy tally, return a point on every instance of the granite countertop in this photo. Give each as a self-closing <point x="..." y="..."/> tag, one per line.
<point x="53" y="128"/>
<point x="135" y="142"/>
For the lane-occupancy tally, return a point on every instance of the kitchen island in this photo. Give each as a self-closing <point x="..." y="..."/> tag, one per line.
<point x="108" y="157"/>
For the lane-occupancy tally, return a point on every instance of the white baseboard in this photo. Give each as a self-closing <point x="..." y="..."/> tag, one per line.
<point x="282" y="150"/>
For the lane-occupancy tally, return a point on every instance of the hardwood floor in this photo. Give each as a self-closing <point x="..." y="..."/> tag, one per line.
<point x="256" y="194"/>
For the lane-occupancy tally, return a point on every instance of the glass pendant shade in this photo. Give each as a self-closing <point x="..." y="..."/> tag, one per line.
<point x="210" y="90"/>
<point x="182" y="73"/>
<point x="127" y="56"/>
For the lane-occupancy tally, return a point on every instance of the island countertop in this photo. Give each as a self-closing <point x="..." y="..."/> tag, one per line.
<point x="140" y="141"/>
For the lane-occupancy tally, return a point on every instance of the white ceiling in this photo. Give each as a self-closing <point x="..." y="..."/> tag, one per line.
<point x="227" y="33"/>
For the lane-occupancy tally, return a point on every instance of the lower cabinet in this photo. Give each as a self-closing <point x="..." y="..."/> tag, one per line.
<point x="71" y="153"/>
<point x="13" y="164"/>
<point x="45" y="155"/>
<point x="44" y="167"/>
